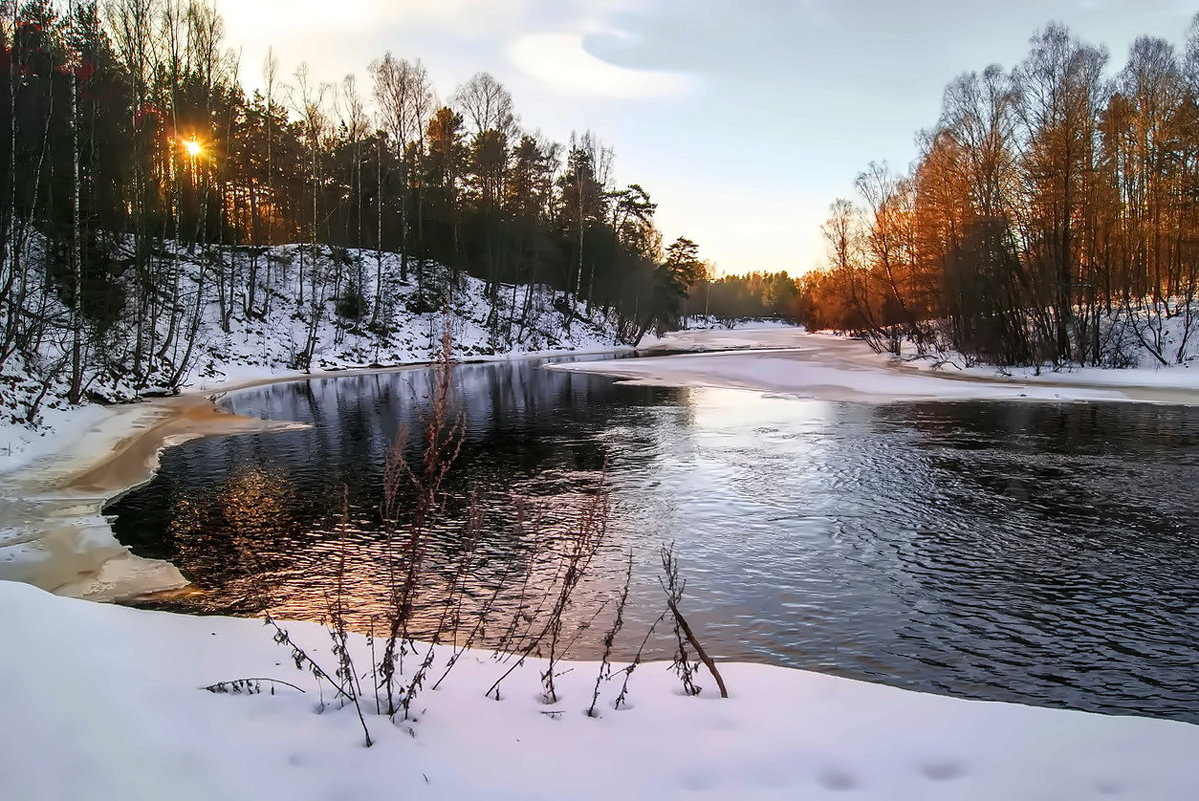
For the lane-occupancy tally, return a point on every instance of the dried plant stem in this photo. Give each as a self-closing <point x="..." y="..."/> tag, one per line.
<point x="699" y="649"/>
<point x="480" y="622"/>
<point x="301" y="657"/>
<point x="604" y="673"/>
<point x="587" y="536"/>
<point x="674" y="588"/>
<point x="232" y="686"/>
<point x="622" y="696"/>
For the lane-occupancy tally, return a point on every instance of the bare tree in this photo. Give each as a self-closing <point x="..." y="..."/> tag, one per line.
<point x="309" y="102"/>
<point x="485" y="105"/>
<point x="1060" y="94"/>
<point x="404" y="94"/>
<point x="355" y="127"/>
<point x="886" y="240"/>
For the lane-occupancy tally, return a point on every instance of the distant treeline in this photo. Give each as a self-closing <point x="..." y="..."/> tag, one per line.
<point x="127" y="131"/>
<point x="1052" y="215"/>
<point x="752" y="295"/>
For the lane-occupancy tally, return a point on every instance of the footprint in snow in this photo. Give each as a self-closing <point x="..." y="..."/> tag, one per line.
<point x="837" y="779"/>
<point x="942" y="770"/>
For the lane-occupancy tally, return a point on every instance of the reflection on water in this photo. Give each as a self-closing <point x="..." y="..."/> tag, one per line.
<point x="1028" y="552"/>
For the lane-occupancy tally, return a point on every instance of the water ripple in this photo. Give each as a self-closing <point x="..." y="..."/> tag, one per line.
<point x="1047" y="554"/>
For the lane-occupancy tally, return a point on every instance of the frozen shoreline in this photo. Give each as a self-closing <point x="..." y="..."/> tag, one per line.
<point x="54" y="535"/>
<point x="791" y="362"/>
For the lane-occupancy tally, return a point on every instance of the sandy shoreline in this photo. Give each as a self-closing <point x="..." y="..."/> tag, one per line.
<point x="54" y="535"/>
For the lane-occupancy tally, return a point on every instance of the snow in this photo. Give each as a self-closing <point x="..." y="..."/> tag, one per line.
<point x="1137" y="356"/>
<point x="103" y="702"/>
<point x="54" y="535"/>
<point x="1173" y="376"/>
<point x="253" y="348"/>
<point x="792" y="362"/>
<point x="702" y="322"/>
<point x="24" y="445"/>
<point x="52" y="531"/>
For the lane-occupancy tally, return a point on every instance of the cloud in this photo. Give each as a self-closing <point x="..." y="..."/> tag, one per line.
<point x="562" y="61"/>
<point x="282" y="16"/>
<point x="275" y="16"/>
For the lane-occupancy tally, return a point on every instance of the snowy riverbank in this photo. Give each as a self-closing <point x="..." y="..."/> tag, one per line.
<point x="52" y="531"/>
<point x="105" y="704"/>
<point x="791" y="362"/>
<point x="288" y="338"/>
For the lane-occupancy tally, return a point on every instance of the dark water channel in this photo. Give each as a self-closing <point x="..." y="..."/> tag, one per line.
<point x="1043" y="553"/>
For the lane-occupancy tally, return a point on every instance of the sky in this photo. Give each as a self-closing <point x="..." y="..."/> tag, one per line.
<point x="743" y="120"/>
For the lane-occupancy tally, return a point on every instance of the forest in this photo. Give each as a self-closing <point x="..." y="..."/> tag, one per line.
<point x="1052" y="216"/>
<point x="754" y="295"/>
<point x="142" y="189"/>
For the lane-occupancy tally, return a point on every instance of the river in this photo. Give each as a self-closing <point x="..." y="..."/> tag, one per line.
<point x="1046" y="553"/>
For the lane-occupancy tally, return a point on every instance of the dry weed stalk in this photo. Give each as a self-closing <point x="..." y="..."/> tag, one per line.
<point x="443" y="432"/>
<point x="504" y="647"/>
<point x="605" y="669"/>
<point x="536" y="628"/>
<point x="248" y="686"/>
<point x="583" y="543"/>
<point x="484" y="613"/>
<point x="622" y="698"/>
<point x="302" y="660"/>
<point x="686" y="669"/>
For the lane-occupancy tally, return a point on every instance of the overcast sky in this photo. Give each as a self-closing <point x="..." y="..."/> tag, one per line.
<point x="743" y="120"/>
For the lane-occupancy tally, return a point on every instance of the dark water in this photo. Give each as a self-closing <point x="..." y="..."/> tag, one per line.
<point x="1040" y="553"/>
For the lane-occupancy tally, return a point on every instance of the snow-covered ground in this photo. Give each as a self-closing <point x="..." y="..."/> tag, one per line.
<point x="104" y="702"/>
<point x="253" y="350"/>
<point x="1183" y="375"/>
<point x="789" y="361"/>
<point x="706" y="322"/>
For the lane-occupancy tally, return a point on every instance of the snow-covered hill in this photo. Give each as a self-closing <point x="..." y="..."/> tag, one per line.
<point x="304" y="315"/>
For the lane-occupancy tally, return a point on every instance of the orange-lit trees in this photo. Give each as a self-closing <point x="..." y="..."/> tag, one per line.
<point x="1147" y="130"/>
<point x="887" y="243"/>
<point x="849" y="272"/>
<point x="1049" y="214"/>
<point x="1060" y="94"/>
